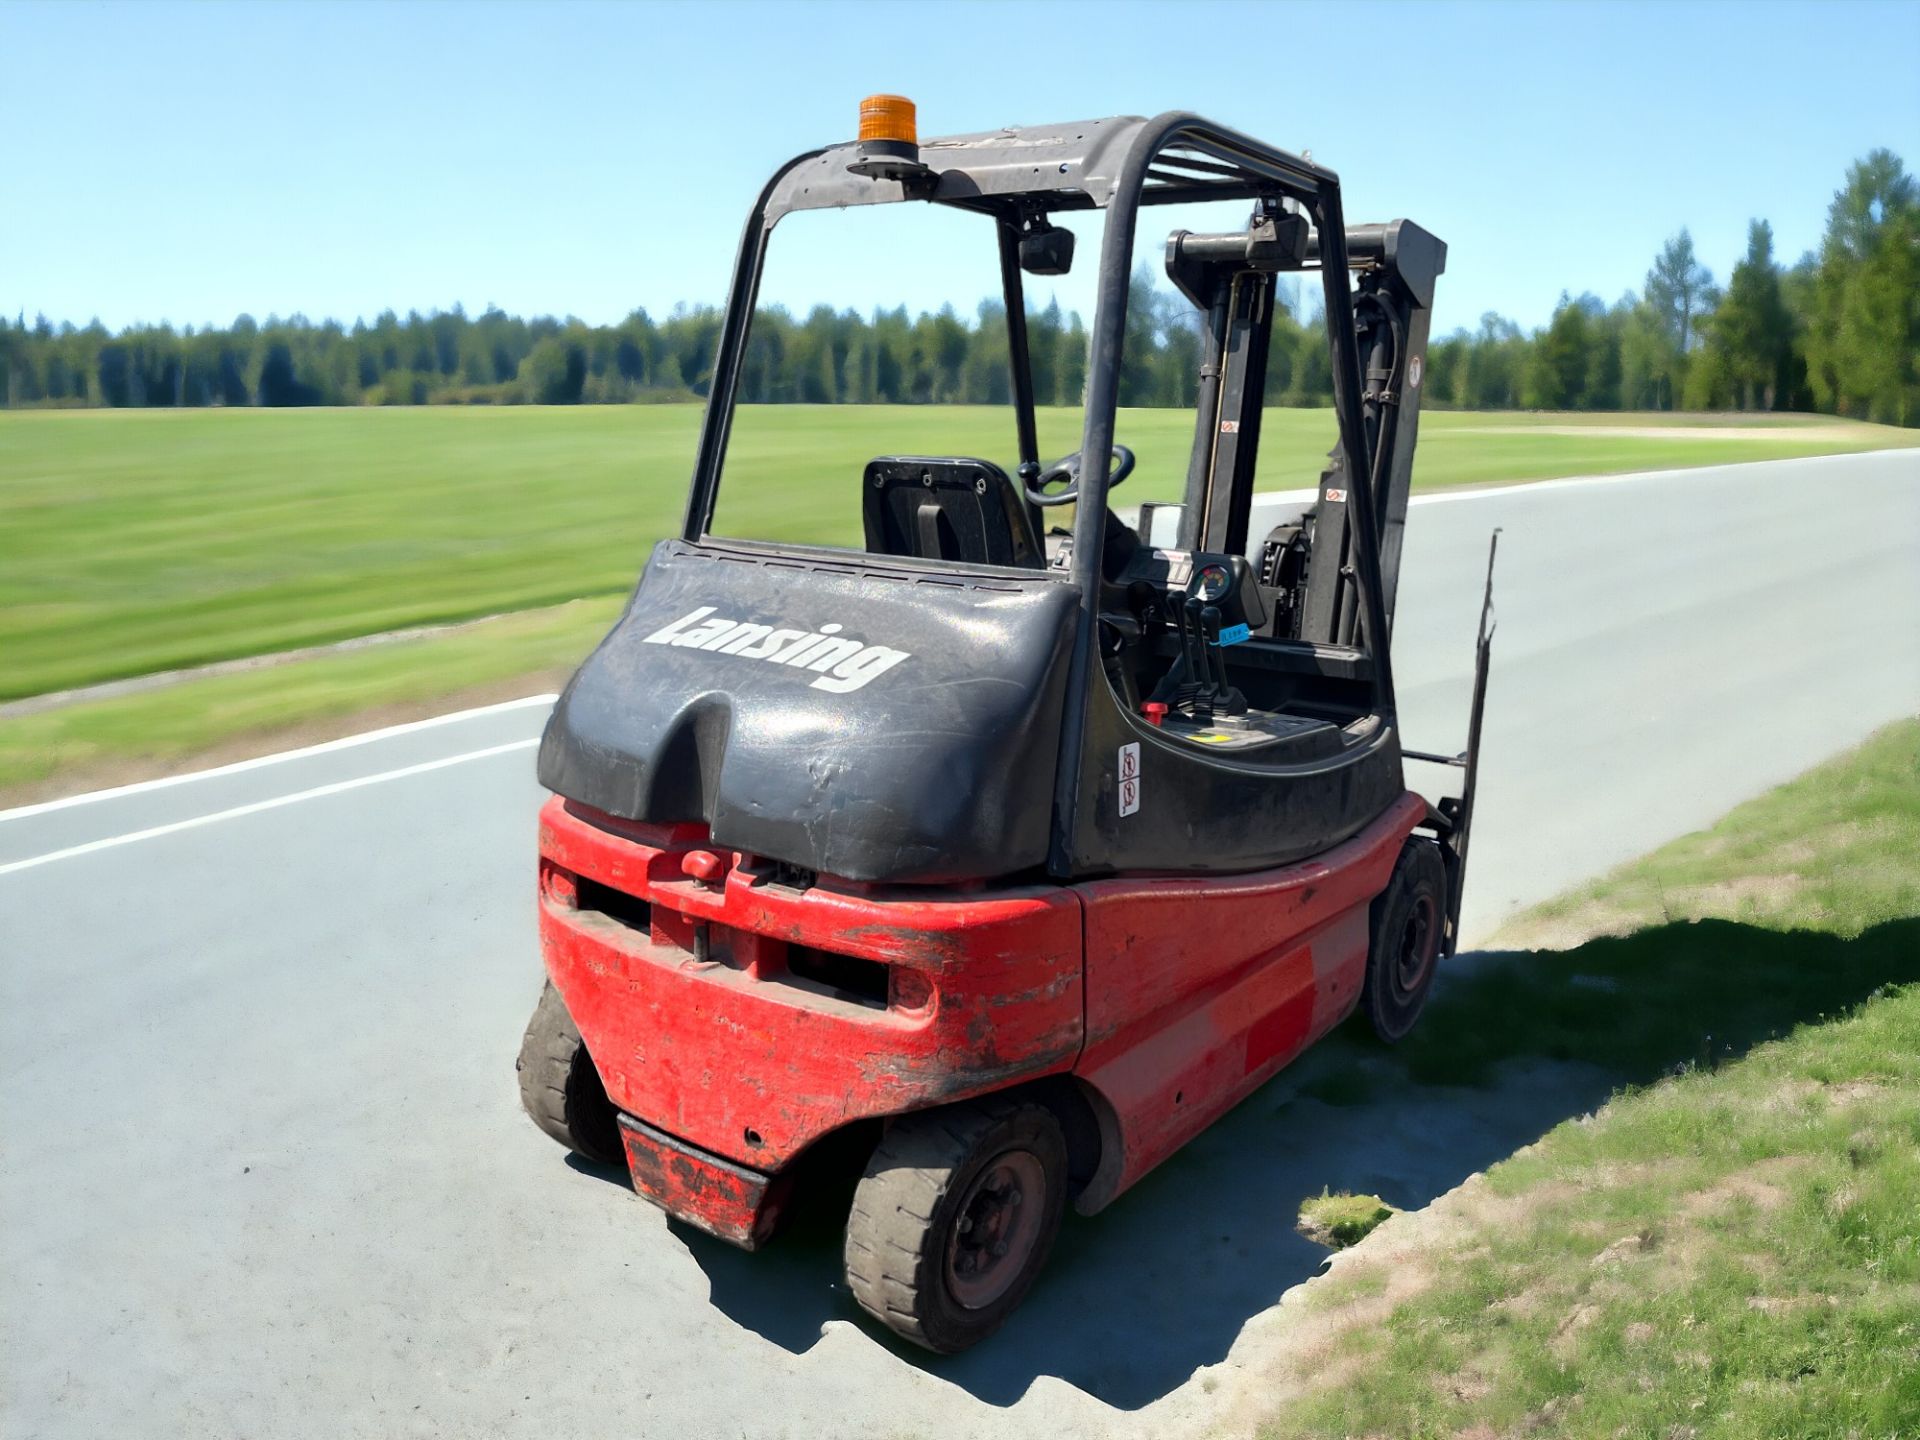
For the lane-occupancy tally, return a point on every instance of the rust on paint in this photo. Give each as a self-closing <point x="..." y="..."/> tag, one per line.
<point x="729" y="1201"/>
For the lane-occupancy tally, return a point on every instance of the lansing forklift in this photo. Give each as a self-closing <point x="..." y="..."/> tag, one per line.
<point x="1013" y="861"/>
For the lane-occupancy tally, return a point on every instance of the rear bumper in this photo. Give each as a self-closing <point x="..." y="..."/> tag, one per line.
<point x="730" y="1201"/>
<point x="704" y="1005"/>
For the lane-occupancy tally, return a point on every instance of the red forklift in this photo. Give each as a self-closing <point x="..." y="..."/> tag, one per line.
<point x="1011" y="860"/>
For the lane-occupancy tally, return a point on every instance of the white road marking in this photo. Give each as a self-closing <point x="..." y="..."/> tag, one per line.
<point x="346" y="742"/>
<point x="1581" y="482"/>
<point x="1450" y="494"/>
<point x="259" y="805"/>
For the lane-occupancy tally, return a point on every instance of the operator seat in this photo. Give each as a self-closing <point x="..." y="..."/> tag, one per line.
<point x="947" y="508"/>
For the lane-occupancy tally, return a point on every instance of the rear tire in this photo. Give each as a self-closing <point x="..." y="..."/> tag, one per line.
<point x="561" y="1090"/>
<point x="1404" y="946"/>
<point x="954" y="1218"/>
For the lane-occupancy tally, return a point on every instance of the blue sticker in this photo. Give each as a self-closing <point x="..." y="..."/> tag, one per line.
<point x="1234" y="634"/>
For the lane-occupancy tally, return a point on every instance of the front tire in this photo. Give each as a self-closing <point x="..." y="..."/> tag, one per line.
<point x="1404" y="946"/>
<point x="954" y="1218"/>
<point x="560" y="1089"/>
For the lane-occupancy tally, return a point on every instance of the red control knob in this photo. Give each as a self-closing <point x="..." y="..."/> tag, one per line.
<point x="1155" y="711"/>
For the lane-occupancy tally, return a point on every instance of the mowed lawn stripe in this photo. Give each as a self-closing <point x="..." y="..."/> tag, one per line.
<point x="138" y="541"/>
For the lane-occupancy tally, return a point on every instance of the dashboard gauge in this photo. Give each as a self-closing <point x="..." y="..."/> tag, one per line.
<point x="1211" y="583"/>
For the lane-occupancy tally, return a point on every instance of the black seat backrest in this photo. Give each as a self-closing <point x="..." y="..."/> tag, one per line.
<point x="947" y="509"/>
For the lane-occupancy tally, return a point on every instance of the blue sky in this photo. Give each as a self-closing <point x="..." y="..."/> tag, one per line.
<point x="187" y="162"/>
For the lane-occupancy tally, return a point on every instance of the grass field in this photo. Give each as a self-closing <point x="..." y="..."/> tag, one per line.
<point x="133" y="542"/>
<point x="136" y="541"/>
<point x="1731" y="1248"/>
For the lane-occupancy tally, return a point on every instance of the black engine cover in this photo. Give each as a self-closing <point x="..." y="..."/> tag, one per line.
<point x="857" y="717"/>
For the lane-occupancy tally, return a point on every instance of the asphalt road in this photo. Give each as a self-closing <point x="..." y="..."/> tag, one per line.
<point x="262" y="1167"/>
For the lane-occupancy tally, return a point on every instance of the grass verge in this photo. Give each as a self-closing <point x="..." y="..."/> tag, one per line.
<point x="226" y="717"/>
<point x="1731" y="1248"/>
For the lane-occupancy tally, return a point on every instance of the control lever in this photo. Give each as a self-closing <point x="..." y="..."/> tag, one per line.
<point x="1176" y="686"/>
<point x="1196" y="693"/>
<point x="1224" y="695"/>
<point x="1197" y="683"/>
<point x="1193" y="638"/>
<point x="1184" y="689"/>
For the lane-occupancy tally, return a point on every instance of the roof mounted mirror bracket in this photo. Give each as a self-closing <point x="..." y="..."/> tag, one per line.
<point x="1045" y="248"/>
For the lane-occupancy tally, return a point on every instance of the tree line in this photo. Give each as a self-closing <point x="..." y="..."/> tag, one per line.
<point x="1839" y="331"/>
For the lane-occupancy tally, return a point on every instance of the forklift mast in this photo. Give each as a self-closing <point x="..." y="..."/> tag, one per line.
<point x="1231" y="279"/>
<point x="1392" y="312"/>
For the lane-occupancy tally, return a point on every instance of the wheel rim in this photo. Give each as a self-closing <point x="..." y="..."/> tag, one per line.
<point x="1416" y="946"/>
<point x="995" y="1228"/>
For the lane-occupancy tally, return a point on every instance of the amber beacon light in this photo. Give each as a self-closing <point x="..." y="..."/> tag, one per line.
<point x="888" y="117"/>
<point x="889" y="144"/>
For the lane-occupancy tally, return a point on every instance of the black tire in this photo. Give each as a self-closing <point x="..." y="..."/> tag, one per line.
<point x="560" y="1088"/>
<point x="1404" y="944"/>
<point x="909" y="1259"/>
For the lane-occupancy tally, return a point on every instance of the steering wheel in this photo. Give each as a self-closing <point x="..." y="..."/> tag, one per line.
<point x="1067" y="469"/>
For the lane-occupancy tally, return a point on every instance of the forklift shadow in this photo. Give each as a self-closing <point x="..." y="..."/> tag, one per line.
<point x="1138" y="1298"/>
<point x="1135" y="1299"/>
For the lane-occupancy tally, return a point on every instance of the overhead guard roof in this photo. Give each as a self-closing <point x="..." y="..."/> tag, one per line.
<point x="1070" y="166"/>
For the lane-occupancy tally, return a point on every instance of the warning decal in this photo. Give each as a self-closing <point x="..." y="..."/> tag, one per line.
<point x="1129" y="778"/>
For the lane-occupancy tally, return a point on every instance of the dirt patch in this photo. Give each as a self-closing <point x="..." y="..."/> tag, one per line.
<point x="1788" y="1304"/>
<point x="1571" y="929"/>
<point x="1792" y="1095"/>
<point x="1627" y="1247"/>
<point x="1625" y="914"/>
<point x="1766" y="890"/>
<point x="1761" y="1184"/>
<point x="79" y="779"/>
<point x="1848" y="1091"/>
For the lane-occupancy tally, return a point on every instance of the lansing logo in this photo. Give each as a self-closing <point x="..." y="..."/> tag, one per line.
<point x="842" y="663"/>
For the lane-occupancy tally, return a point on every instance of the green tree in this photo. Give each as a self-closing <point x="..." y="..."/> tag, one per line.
<point x="1680" y="289"/>
<point x="1140" y="347"/>
<point x="1557" y="378"/>
<point x="1649" y="362"/>
<point x="1863" y="332"/>
<point x="1446" y="371"/>
<point x="1751" y="333"/>
<point x="1070" y="366"/>
<point x="553" y="372"/>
